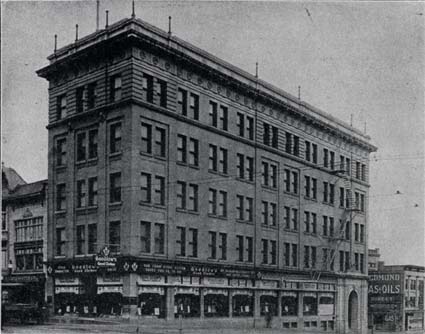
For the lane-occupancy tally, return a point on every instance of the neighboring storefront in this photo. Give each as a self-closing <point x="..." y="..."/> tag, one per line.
<point x="396" y="295"/>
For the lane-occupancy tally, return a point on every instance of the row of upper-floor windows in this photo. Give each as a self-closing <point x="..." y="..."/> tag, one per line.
<point x="153" y="241"/>
<point x="188" y="105"/>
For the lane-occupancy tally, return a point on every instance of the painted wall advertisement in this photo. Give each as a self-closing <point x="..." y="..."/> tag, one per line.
<point x="385" y="299"/>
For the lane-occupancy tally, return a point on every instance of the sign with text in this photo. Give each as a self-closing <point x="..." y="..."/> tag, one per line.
<point x="385" y="291"/>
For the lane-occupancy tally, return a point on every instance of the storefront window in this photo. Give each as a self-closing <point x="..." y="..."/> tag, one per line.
<point x="326" y="305"/>
<point x="243" y="305"/>
<point x="310" y="305"/>
<point x="268" y="304"/>
<point x="216" y="303"/>
<point x="152" y="303"/>
<point x="290" y="304"/>
<point x="187" y="302"/>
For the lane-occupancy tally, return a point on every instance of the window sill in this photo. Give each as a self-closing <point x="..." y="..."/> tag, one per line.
<point x="115" y="205"/>
<point x="290" y="230"/>
<point x="187" y="211"/>
<point x="218" y="173"/>
<point x="290" y="193"/>
<point x="87" y="162"/>
<point x="240" y="179"/>
<point x="242" y="221"/>
<point x="310" y="198"/>
<point x="268" y="188"/>
<point x="153" y="156"/>
<point x="218" y="217"/>
<point x="60" y="256"/>
<point x="60" y="212"/>
<point x="272" y="227"/>
<point x="60" y="168"/>
<point x="115" y="155"/>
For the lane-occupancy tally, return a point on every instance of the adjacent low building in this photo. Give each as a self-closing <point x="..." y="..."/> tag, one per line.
<point x="24" y="242"/>
<point x="396" y="297"/>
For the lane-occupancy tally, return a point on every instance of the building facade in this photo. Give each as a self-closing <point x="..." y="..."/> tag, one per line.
<point x="24" y="237"/>
<point x="396" y="297"/>
<point x="374" y="262"/>
<point x="183" y="185"/>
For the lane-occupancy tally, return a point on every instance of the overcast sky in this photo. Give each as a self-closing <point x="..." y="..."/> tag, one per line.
<point x="359" y="58"/>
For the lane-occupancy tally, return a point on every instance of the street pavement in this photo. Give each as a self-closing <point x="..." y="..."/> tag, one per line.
<point x="119" y="327"/>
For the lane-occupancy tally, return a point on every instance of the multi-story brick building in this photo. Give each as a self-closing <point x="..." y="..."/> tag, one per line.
<point x="374" y="257"/>
<point x="208" y="191"/>
<point x="24" y="241"/>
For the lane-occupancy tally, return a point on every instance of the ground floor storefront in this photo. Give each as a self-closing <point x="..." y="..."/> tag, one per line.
<point x="171" y="291"/>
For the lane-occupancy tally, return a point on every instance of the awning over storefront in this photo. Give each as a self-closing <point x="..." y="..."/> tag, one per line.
<point x="268" y="293"/>
<point x="69" y="289"/>
<point x="109" y="289"/>
<point x="186" y="290"/>
<point x="216" y="292"/>
<point x="289" y="294"/>
<point x="242" y="292"/>
<point x="151" y="289"/>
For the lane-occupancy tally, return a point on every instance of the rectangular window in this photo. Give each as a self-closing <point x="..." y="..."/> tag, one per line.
<point x="341" y="197"/>
<point x="249" y="249"/>
<point x="347" y="261"/>
<point x="250" y="168"/>
<point x="348" y="166"/>
<point x="362" y="266"/>
<point x="313" y="223"/>
<point x="245" y="126"/>
<point x="273" y="214"/>
<point x="250" y="127"/>
<point x="213" y="114"/>
<point x="81" y="193"/>
<point x="61" y="107"/>
<point x="81" y="146"/>
<point x="240" y="247"/>
<point x="61" y="152"/>
<point x="266" y="134"/>
<point x="296" y="150"/>
<point x="159" y="198"/>
<point x="194" y="106"/>
<point x="79" y="97"/>
<point x="92" y="238"/>
<point x="273" y="252"/>
<point x="146" y="187"/>
<point x="287" y="180"/>
<point x="287" y="254"/>
<point x="307" y="150"/>
<point x="193" y="198"/>
<point x="313" y="256"/>
<point x="331" y="226"/>
<point x="341" y="261"/>
<point x="181" y="148"/>
<point x="306" y="257"/>
<point x="159" y="239"/>
<point x="115" y="188"/>
<point x="223" y="160"/>
<point x="181" y="241"/>
<point x="314" y="150"/>
<point x="81" y="229"/>
<point x="295" y="219"/>
<point x="193" y="152"/>
<point x="60" y="197"/>
<point x="362" y="203"/>
<point x="116" y="88"/>
<point x="275" y="137"/>
<point x="313" y="188"/>
<point x="325" y="226"/>
<point x="115" y="236"/>
<point x="182" y="101"/>
<point x="269" y="174"/>
<point x="356" y="232"/>
<point x="362" y="233"/>
<point x="332" y="159"/>
<point x="60" y="241"/>
<point x="223" y="117"/>
<point x="240" y="207"/>
<point x="146" y="136"/>
<point x="92" y="191"/>
<point x="347" y="230"/>
<point x="193" y="242"/>
<point x="264" y="212"/>
<point x="181" y="195"/>
<point x="223" y="246"/>
<point x="212" y="164"/>
<point x="249" y="209"/>
<point x="342" y="163"/>
<point x="162" y="92"/>
<point x="307" y="186"/>
<point x="287" y="217"/>
<point x="307" y="221"/>
<point x="264" y="251"/>
<point x="294" y="255"/>
<point x="331" y="193"/>
<point x="325" y="158"/>
<point x="240" y="123"/>
<point x="93" y="143"/>
<point x="159" y="142"/>
<point x="288" y="142"/>
<point x="212" y="245"/>
<point x="295" y="182"/>
<point x="91" y="95"/>
<point x="325" y="192"/>
<point x="148" y="87"/>
<point x="357" y="170"/>
<point x="115" y="138"/>
<point x="222" y="204"/>
<point x="363" y="172"/>
<point x="212" y="202"/>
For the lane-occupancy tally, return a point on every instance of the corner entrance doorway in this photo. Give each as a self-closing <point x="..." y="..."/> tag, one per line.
<point x="353" y="311"/>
